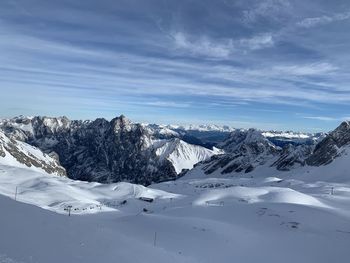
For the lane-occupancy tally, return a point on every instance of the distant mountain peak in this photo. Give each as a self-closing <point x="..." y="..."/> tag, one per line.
<point x="244" y="137"/>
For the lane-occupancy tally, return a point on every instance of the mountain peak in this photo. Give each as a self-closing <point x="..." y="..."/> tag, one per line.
<point x="343" y="127"/>
<point x="331" y="146"/>
<point x="121" y="123"/>
<point x="242" y="137"/>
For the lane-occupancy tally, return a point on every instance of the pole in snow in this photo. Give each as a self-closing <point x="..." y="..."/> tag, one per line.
<point x="16" y="194"/>
<point x="155" y="239"/>
<point x="69" y="209"/>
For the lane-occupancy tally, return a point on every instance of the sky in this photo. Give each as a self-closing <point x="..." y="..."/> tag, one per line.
<point x="268" y="64"/>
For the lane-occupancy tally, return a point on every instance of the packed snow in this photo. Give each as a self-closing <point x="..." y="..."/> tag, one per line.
<point x="56" y="193"/>
<point x="277" y="218"/>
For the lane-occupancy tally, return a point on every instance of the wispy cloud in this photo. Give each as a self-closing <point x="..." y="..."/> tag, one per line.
<point x="327" y="118"/>
<point x="202" y="46"/>
<point x="219" y="60"/>
<point x="167" y="104"/>
<point x="271" y="9"/>
<point x="131" y="75"/>
<point x="323" y="20"/>
<point x="224" y="48"/>
<point x="321" y="118"/>
<point x="258" y="42"/>
<point x="306" y="69"/>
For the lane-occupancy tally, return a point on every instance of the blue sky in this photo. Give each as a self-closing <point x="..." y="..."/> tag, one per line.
<point x="270" y="64"/>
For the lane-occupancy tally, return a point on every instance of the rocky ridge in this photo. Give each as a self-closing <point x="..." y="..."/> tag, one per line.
<point x="104" y="151"/>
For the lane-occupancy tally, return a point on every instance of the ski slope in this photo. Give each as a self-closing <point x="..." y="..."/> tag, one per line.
<point x="56" y="193"/>
<point x="237" y="219"/>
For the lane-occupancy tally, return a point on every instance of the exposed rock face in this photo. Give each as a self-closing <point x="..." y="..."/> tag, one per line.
<point x="331" y="146"/>
<point x="293" y="156"/>
<point x="105" y="151"/>
<point x="12" y="151"/>
<point x="244" y="151"/>
<point x="116" y="151"/>
<point x="119" y="150"/>
<point x="2" y="149"/>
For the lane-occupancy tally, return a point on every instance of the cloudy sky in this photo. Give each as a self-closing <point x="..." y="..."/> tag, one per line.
<point x="270" y="64"/>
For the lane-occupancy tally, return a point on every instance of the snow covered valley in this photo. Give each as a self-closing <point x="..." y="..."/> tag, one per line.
<point x="193" y="219"/>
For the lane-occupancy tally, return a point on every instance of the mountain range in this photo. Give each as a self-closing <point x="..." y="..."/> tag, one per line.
<point x="107" y="151"/>
<point x="120" y="150"/>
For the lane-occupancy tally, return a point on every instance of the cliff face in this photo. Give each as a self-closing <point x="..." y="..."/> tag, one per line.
<point x="244" y="150"/>
<point x="119" y="150"/>
<point x="331" y="146"/>
<point x="107" y="151"/>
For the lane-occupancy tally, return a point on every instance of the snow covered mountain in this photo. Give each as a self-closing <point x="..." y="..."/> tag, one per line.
<point x="281" y="139"/>
<point x="212" y="135"/>
<point x="246" y="150"/>
<point x="107" y="151"/>
<point x="202" y="127"/>
<point x="332" y="146"/>
<point x="181" y="154"/>
<point x="207" y="136"/>
<point x="20" y="154"/>
<point x="119" y="150"/>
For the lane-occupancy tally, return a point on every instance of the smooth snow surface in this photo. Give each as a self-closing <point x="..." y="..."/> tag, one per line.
<point x="274" y="218"/>
<point x="181" y="154"/>
<point x="56" y="193"/>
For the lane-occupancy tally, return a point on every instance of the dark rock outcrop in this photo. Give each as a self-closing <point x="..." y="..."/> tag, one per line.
<point x="100" y="150"/>
<point x="331" y="146"/>
<point x="245" y="149"/>
<point x="293" y="156"/>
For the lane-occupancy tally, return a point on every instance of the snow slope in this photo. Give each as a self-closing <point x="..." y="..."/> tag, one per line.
<point x="20" y="154"/>
<point x="57" y="193"/>
<point x="235" y="219"/>
<point x="300" y="215"/>
<point x="30" y="234"/>
<point x="181" y="154"/>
